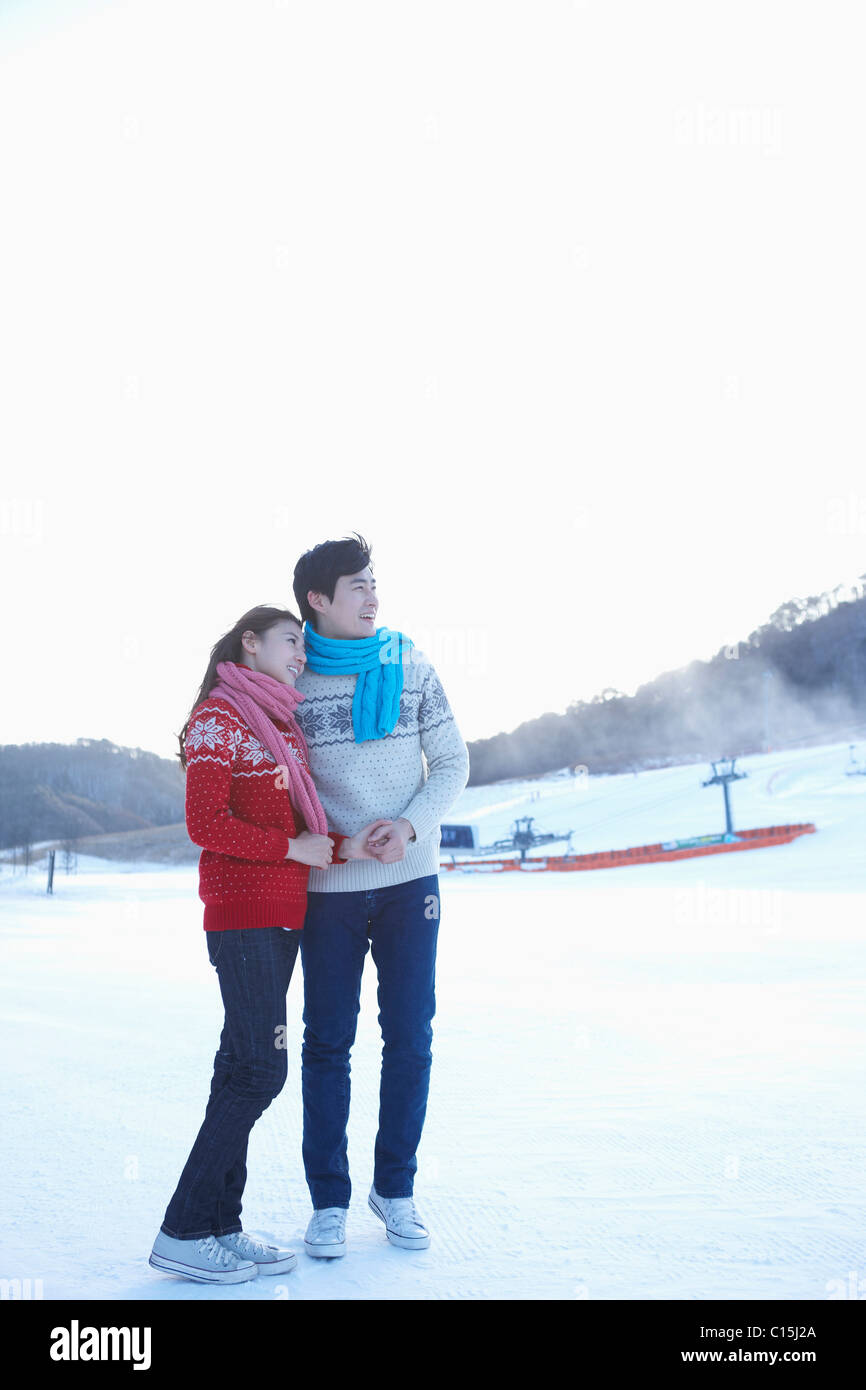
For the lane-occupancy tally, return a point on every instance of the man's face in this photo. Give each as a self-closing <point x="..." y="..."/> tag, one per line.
<point x="352" y="612"/>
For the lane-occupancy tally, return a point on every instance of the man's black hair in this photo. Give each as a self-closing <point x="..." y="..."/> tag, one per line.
<point x="320" y="568"/>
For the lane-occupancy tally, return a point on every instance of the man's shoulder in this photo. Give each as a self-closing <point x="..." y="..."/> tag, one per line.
<point x="433" y="708"/>
<point x="315" y="684"/>
<point x="420" y="665"/>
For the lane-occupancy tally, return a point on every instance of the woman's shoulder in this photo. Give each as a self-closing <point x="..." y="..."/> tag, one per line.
<point x="217" y="706"/>
<point x="214" y="724"/>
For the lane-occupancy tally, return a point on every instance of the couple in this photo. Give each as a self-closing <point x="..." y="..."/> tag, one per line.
<point x="306" y="789"/>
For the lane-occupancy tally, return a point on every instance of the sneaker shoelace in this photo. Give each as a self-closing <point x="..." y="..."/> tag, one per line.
<point x="247" y="1247"/>
<point x="403" y="1209"/>
<point x="213" y="1252"/>
<point x="330" y="1227"/>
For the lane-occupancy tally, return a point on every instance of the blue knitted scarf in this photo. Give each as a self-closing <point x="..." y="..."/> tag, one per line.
<point x="378" y="661"/>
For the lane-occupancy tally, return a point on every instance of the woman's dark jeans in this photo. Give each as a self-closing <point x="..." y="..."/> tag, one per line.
<point x="254" y="968"/>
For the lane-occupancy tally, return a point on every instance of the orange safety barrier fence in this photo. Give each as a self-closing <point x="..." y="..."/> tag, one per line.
<point x="758" y="838"/>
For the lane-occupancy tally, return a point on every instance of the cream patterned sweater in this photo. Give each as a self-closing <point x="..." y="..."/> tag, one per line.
<point x="383" y="777"/>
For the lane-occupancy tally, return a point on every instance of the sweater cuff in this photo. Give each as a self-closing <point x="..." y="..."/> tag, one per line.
<point x="423" y="822"/>
<point x="338" y="845"/>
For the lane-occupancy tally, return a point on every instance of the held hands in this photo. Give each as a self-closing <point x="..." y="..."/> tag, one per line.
<point x="385" y="840"/>
<point x="388" y="843"/>
<point x="357" y="846"/>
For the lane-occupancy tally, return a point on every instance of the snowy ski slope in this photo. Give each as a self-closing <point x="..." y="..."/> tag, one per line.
<point x="648" y="1082"/>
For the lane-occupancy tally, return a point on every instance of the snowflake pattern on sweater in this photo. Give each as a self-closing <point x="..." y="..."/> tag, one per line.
<point x="205" y="731"/>
<point x="329" y="719"/>
<point x="416" y="771"/>
<point x="214" y="733"/>
<point x="238" y="810"/>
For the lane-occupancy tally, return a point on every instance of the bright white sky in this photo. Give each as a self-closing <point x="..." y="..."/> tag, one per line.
<point x="559" y="304"/>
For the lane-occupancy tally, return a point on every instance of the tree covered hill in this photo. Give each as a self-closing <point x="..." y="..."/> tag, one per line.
<point x="66" y="791"/>
<point x="801" y="676"/>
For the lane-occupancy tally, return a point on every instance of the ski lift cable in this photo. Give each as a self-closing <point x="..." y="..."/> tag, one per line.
<point x="840" y="734"/>
<point x="644" y="805"/>
<point x="674" y="796"/>
<point x="661" y="801"/>
<point x="627" y="785"/>
<point x="630" y="810"/>
<point x="822" y="752"/>
<point x="634" y="810"/>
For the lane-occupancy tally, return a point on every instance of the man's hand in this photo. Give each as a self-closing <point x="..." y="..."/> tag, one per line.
<point x="388" y="845"/>
<point x="355" y="847"/>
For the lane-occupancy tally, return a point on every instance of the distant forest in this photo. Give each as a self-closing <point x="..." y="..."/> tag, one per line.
<point x="801" y="676"/>
<point x="64" y="791"/>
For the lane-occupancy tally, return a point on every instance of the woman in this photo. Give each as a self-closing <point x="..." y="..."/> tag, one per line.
<point x="252" y="806"/>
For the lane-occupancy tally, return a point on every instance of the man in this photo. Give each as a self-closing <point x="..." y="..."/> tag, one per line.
<point x="373" y="705"/>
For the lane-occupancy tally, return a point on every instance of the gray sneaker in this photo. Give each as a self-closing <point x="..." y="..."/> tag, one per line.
<point x="326" y="1233"/>
<point x="403" y="1226"/>
<point x="204" y="1260"/>
<point x="269" y="1259"/>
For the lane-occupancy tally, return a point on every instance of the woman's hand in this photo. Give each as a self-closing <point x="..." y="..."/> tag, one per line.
<point x="315" y="850"/>
<point x="356" y="847"/>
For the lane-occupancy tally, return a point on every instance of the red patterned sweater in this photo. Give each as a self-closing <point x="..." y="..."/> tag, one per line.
<point x="238" y="810"/>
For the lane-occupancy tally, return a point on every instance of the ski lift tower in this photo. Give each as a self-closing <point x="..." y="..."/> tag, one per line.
<point x="723" y="773"/>
<point x="523" y="838"/>
<point x="854" y="768"/>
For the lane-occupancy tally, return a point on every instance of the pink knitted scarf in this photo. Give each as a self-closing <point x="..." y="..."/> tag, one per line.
<point x="260" y="699"/>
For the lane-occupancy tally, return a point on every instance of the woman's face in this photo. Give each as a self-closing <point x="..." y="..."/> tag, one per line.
<point x="279" y="652"/>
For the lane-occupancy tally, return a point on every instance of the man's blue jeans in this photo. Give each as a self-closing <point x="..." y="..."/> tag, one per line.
<point x="254" y="967"/>
<point x="400" y="924"/>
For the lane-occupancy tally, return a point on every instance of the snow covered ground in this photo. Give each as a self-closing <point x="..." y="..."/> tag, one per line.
<point x="648" y="1082"/>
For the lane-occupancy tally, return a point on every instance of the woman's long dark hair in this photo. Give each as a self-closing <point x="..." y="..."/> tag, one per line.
<point x="229" y="648"/>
